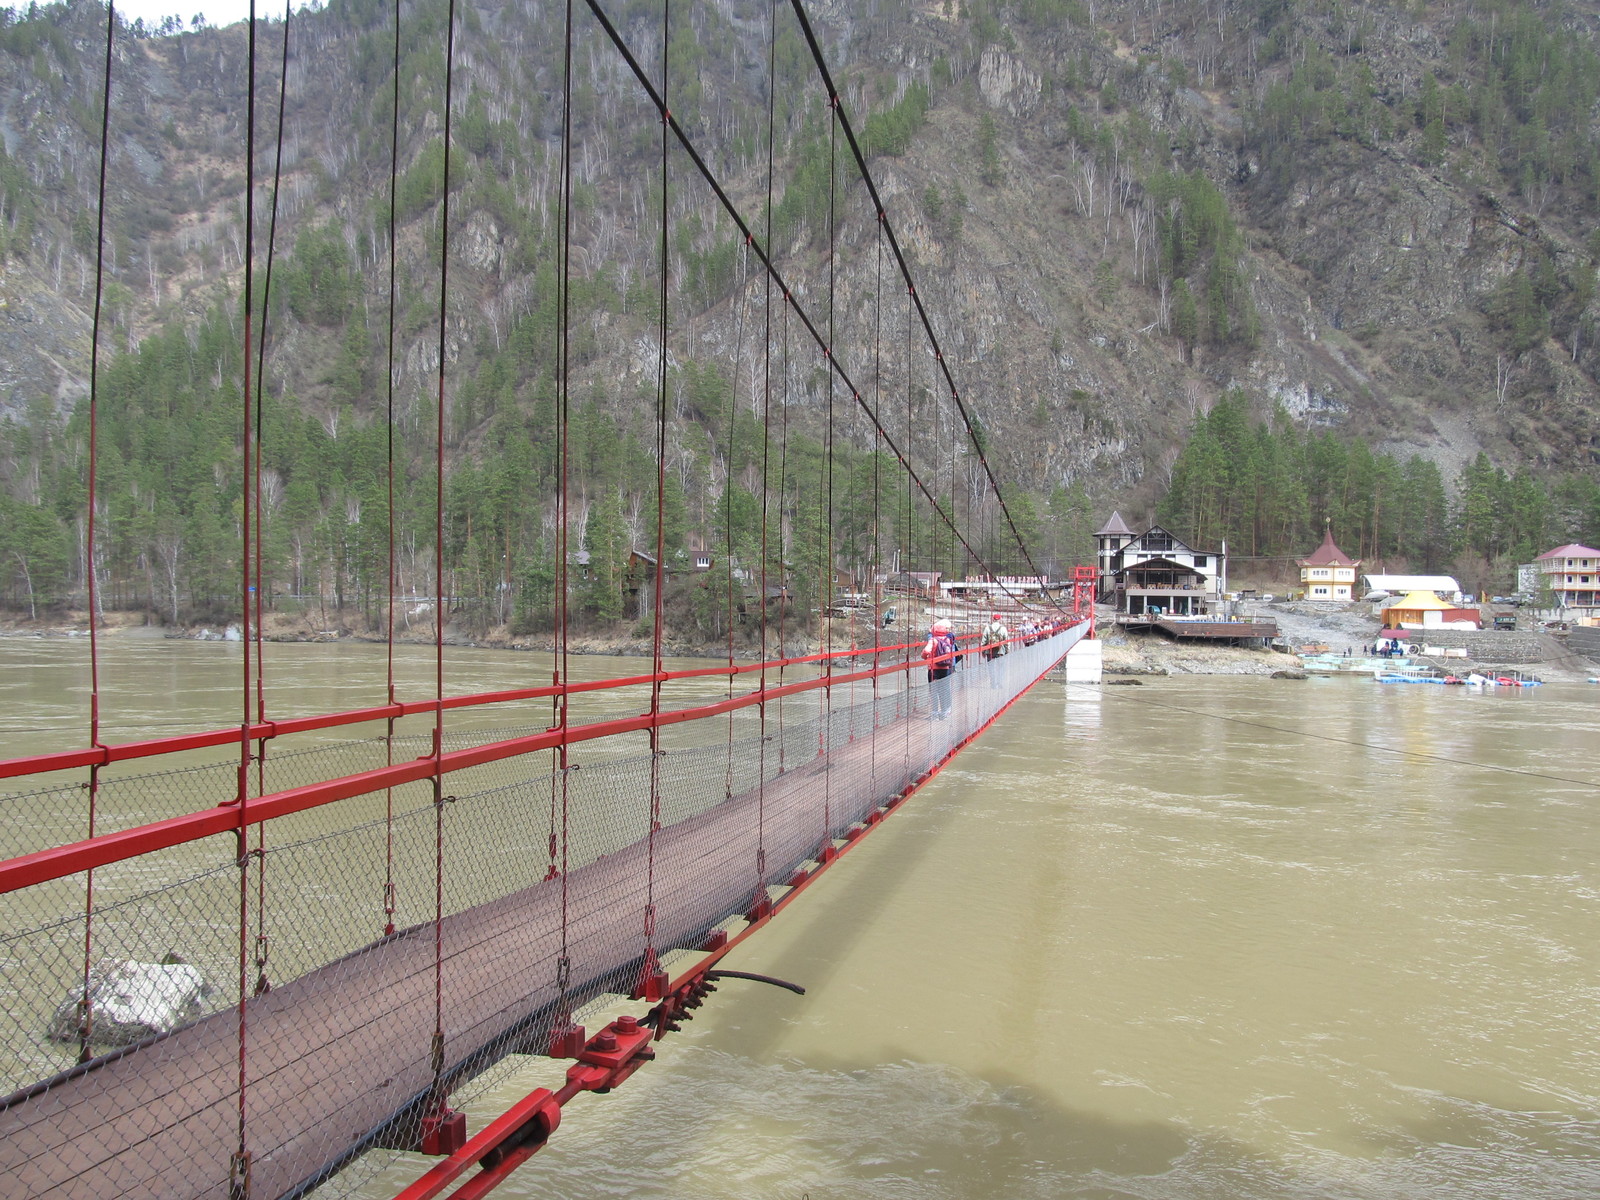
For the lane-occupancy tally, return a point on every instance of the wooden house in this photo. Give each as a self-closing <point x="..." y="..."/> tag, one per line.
<point x="1424" y="610"/>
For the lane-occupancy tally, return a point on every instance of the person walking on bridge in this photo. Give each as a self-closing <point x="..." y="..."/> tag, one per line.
<point x="994" y="637"/>
<point x="941" y="655"/>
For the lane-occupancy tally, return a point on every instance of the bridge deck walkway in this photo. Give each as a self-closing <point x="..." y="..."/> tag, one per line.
<point x="335" y="1054"/>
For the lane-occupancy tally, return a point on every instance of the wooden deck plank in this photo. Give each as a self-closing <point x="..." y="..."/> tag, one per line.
<point x="327" y="1055"/>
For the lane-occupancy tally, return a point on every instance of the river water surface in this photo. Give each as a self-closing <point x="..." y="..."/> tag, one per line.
<point x="1201" y="938"/>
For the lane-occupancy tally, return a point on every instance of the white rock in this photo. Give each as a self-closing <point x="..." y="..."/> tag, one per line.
<point x="130" y="1001"/>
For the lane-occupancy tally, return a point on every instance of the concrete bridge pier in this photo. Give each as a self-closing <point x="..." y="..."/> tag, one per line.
<point x="1082" y="664"/>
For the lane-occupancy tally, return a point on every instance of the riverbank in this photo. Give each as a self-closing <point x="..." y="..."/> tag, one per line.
<point x="1155" y="654"/>
<point x="1124" y="653"/>
<point x="1151" y="654"/>
<point x="304" y="629"/>
<point x="1300" y="625"/>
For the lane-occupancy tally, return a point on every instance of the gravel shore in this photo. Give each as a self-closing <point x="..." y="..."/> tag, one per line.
<point x="1350" y="628"/>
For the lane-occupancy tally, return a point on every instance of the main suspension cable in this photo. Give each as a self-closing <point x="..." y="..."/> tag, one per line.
<point x="437" y="1092"/>
<point x="817" y="336"/>
<point x="86" y="1001"/>
<point x="905" y="270"/>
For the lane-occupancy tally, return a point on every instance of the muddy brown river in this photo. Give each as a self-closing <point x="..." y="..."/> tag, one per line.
<point x="1203" y="938"/>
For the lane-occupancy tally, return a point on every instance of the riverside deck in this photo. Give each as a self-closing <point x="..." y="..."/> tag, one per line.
<point x="1235" y="632"/>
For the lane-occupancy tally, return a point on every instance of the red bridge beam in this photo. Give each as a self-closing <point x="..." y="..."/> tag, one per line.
<point x="127" y="751"/>
<point x="60" y="861"/>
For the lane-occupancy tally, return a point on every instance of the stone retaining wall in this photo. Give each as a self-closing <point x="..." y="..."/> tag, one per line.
<point x="1583" y="640"/>
<point x="1497" y="647"/>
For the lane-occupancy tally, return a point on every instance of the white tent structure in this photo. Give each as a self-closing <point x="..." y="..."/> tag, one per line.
<point x="1443" y="586"/>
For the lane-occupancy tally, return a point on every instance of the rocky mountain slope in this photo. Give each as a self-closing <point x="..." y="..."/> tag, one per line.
<point x="1380" y="218"/>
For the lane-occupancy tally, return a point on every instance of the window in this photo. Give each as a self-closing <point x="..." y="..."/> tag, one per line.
<point x="1202" y="561"/>
<point x="1321" y="591"/>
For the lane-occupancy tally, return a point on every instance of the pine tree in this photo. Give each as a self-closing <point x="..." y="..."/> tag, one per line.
<point x="1185" y="317"/>
<point x="608" y="557"/>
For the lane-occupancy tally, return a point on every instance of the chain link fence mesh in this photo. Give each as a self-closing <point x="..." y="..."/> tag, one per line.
<point x="354" y="963"/>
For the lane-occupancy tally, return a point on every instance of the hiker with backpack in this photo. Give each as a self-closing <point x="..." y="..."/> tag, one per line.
<point x="993" y="639"/>
<point x="942" y="654"/>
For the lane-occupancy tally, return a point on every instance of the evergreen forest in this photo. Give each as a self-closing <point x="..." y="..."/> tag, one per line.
<point x="1248" y="269"/>
<point x="1268" y="489"/>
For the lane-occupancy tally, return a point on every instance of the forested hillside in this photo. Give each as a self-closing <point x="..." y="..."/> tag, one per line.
<point x="1259" y="486"/>
<point x="1243" y="266"/>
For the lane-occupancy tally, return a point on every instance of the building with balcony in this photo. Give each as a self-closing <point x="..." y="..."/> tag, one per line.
<point x="1119" y="547"/>
<point x="1162" y="587"/>
<point x="1571" y="574"/>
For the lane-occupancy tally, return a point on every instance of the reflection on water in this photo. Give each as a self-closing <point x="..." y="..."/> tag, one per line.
<point x="1203" y="938"/>
<point x="1080" y="713"/>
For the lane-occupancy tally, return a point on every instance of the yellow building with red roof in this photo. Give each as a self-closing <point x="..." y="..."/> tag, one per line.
<point x="1328" y="573"/>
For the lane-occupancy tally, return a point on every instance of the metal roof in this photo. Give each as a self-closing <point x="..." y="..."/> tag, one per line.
<point x="1399" y="585"/>
<point x="1328" y="554"/>
<point x="1116" y="525"/>
<point x="1571" y="550"/>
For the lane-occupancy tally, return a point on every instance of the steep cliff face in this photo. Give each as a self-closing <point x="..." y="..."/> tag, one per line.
<point x="1116" y="212"/>
<point x="1398" y="264"/>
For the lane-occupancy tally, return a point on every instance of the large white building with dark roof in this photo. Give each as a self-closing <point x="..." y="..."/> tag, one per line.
<point x="1119" y="547"/>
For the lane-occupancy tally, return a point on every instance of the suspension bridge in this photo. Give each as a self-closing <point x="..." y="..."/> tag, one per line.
<point x="191" y="1011"/>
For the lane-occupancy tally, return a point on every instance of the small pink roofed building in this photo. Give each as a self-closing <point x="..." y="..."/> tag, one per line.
<point x="1328" y="573"/>
<point x="1571" y="573"/>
